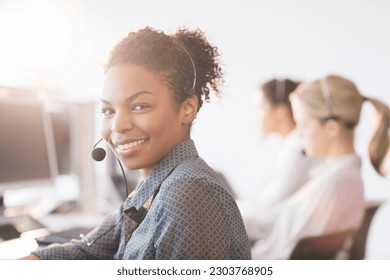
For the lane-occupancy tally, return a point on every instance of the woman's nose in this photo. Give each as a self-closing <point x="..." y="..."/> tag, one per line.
<point x="121" y="122"/>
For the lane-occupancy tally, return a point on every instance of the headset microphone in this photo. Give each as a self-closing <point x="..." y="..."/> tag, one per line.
<point x="98" y="154"/>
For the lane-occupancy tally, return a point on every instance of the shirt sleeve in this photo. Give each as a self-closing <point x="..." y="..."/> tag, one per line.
<point x="192" y="222"/>
<point x="101" y="243"/>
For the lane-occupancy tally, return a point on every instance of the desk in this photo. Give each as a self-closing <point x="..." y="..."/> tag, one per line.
<point x="20" y="247"/>
<point x="17" y="248"/>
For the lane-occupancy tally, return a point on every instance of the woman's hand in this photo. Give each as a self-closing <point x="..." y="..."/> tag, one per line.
<point x="30" y="257"/>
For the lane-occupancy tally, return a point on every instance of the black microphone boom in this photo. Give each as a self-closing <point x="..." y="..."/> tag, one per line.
<point x="98" y="154"/>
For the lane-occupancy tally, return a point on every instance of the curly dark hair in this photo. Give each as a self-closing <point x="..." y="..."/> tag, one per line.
<point x="171" y="57"/>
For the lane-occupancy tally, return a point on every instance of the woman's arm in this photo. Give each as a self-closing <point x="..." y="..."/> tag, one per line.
<point x="104" y="239"/>
<point x="30" y="257"/>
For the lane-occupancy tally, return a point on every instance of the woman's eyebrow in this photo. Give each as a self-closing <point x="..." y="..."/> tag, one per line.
<point x="131" y="97"/>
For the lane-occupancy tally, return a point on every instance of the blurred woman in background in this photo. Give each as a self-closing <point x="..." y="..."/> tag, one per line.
<point x="326" y="112"/>
<point x="291" y="166"/>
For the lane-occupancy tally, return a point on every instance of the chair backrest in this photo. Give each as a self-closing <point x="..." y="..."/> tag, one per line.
<point x="326" y="247"/>
<point x="323" y="247"/>
<point x="358" y="247"/>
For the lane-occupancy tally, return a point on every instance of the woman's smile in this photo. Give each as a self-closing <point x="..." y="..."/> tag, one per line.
<point x="127" y="148"/>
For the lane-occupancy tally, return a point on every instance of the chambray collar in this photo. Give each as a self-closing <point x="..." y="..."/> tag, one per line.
<point x="181" y="152"/>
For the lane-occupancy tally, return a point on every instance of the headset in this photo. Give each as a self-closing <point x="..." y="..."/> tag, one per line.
<point x="326" y="95"/>
<point x="280" y="89"/>
<point x="192" y="90"/>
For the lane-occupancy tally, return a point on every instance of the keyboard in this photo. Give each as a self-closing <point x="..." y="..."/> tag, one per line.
<point x="8" y="231"/>
<point x="62" y="236"/>
<point x="12" y="227"/>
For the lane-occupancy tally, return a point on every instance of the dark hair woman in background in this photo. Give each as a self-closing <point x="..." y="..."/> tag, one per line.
<point x="291" y="165"/>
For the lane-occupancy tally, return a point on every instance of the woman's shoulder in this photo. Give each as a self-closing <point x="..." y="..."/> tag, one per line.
<point x="194" y="167"/>
<point x="193" y="172"/>
<point x="193" y="178"/>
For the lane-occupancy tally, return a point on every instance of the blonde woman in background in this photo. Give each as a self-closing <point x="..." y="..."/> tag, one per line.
<point x="326" y="112"/>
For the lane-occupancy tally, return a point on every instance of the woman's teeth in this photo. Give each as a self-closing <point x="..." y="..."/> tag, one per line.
<point x="130" y="145"/>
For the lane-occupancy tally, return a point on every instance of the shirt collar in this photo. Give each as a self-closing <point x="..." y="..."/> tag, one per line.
<point x="344" y="162"/>
<point x="174" y="157"/>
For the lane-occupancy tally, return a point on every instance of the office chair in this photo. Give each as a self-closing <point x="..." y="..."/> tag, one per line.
<point x="323" y="247"/>
<point x="327" y="247"/>
<point x="358" y="245"/>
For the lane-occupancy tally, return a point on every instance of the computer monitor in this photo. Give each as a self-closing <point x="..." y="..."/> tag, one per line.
<point x="27" y="148"/>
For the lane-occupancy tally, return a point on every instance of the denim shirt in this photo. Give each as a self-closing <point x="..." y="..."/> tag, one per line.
<point x="181" y="211"/>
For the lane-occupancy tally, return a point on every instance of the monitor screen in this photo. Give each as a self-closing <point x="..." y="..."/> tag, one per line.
<point x="27" y="151"/>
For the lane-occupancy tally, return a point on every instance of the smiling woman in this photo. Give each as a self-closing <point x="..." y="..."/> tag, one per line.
<point x="136" y="122"/>
<point x="155" y="85"/>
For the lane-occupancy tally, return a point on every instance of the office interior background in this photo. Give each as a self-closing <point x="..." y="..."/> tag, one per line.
<point x="57" y="47"/>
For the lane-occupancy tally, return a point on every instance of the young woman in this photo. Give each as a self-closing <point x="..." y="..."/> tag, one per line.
<point x="326" y="112"/>
<point x="155" y="85"/>
<point x="291" y="165"/>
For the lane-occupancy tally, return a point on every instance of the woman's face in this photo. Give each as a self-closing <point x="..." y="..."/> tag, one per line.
<point x="267" y="115"/>
<point x="314" y="135"/>
<point x="140" y="122"/>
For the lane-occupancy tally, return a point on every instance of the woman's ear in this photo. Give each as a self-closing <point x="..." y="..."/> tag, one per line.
<point x="333" y="128"/>
<point x="189" y="109"/>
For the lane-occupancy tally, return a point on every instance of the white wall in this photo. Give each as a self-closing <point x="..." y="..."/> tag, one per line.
<point x="60" y="44"/>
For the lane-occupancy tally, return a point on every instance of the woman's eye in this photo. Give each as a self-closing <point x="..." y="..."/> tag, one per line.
<point x="139" y="107"/>
<point x="107" y="112"/>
